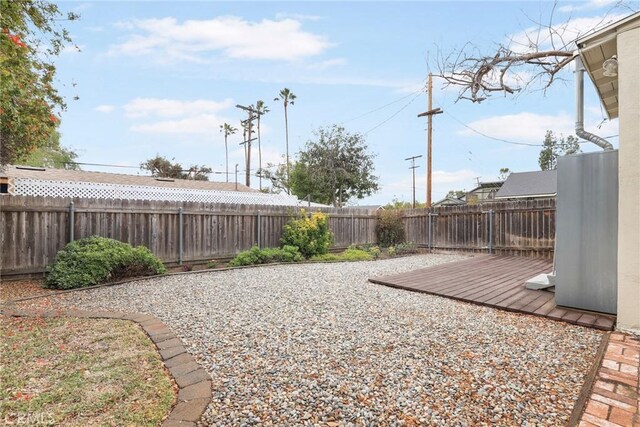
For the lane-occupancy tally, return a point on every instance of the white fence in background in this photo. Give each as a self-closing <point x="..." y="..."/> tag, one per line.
<point x="47" y="188"/>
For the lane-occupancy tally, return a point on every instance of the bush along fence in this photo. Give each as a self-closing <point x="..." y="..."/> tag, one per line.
<point x="34" y="229"/>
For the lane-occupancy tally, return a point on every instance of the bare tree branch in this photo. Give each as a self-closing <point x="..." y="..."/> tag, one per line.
<point x="536" y="55"/>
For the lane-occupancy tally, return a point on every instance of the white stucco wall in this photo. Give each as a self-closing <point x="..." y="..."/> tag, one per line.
<point x="628" y="46"/>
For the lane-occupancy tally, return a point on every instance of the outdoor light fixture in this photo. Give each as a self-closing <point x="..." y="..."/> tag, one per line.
<point x="610" y="67"/>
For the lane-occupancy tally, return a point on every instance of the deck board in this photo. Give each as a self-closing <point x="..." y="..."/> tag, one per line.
<point x="495" y="281"/>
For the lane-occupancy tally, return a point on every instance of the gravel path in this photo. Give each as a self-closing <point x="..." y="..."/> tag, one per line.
<point x="317" y="344"/>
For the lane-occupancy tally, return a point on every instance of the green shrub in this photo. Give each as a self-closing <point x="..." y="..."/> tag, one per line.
<point x="212" y="264"/>
<point x="310" y="234"/>
<point x="348" y="255"/>
<point x="370" y="248"/>
<point x="256" y="255"/>
<point x="391" y="251"/>
<point x="390" y="227"/>
<point x="406" y="248"/>
<point x="94" y="260"/>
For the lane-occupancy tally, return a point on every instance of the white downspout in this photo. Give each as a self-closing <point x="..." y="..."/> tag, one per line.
<point x="599" y="141"/>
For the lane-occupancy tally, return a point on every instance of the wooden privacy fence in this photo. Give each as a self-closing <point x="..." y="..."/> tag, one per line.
<point x="34" y="229"/>
<point x="506" y="228"/>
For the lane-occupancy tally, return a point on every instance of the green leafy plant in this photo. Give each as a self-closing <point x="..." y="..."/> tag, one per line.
<point x="406" y="248"/>
<point x="391" y="251"/>
<point x="347" y="255"/>
<point x="256" y="255"/>
<point x="390" y="227"/>
<point x="310" y="234"/>
<point x="94" y="260"/>
<point x="370" y="248"/>
<point x="212" y="264"/>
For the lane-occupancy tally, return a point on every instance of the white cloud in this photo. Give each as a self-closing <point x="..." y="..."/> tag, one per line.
<point x="521" y="127"/>
<point x="586" y="5"/>
<point x="559" y="35"/>
<point x="329" y="63"/>
<point x="105" y="108"/>
<point x="173" y="116"/>
<point x="201" y="124"/>
<point x="297" y="16"/>
<point x="232" y="36"/>
<point x="143" y="107"/>
<point x="531" y="127"/>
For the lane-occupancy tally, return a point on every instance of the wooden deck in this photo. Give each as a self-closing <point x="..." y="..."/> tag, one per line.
<point x="495" y="281"/>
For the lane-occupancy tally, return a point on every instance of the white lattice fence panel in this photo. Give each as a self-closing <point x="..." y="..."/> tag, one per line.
<point x="33" y="187"/>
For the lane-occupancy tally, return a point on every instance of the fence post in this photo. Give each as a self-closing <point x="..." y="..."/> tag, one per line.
<point x="72" y="222"/>
<point x="490" y="231"/>
<point x="352" y="229"/>
<point x="490" y="220"/>
<point x="430" y="215"/>
<point x="429" y="220"/>
<point x="258" y="230"/>
<point x="180" y="235"/>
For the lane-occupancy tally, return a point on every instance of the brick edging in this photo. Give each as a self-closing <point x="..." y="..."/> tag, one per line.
<point x="194" y="383"/>
<point x="587" y="386"/>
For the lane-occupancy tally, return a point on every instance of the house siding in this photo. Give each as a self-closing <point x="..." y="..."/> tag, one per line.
<point x="629" y="181"/>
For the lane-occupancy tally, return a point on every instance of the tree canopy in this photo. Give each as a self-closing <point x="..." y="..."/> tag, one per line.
<point x="31" y="36"/>
<point x="51" y="155"/>
<point x="334" y="167"/>
<point x="554" y="147"/>
<point x="163" y="168"/>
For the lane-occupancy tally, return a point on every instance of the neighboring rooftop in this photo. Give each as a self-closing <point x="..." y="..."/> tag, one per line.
<point x="529" y="184"/>
<point x="28" y="172"/>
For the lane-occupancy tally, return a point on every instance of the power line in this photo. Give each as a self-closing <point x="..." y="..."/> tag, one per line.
<point x="382" y="107"/>
<point x="394" y="114"/>
<point x="492" y="137"/>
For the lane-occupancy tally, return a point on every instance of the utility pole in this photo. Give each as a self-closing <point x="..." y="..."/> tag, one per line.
<point x="236" y="177"/>
<point x="413" y="173"/>
<point x="248" y="127"/>
<point x="429" y="113"/>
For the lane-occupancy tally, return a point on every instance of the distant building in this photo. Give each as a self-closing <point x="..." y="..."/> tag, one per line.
<point x="47" y="182"/>
<point x="484" y="192"/>
<point x="449" y="201"/>
<point x="529" y="185"/>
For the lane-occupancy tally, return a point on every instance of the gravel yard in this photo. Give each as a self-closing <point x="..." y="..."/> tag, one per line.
<point x="317" y="344"/>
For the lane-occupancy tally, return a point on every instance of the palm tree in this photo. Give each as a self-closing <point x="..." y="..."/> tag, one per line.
<point x="261" y="108"/>
<point x="287" y="97"/>
<point x="228" y="130"/>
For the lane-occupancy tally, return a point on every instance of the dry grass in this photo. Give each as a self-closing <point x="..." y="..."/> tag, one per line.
<point x="81" y="372"/>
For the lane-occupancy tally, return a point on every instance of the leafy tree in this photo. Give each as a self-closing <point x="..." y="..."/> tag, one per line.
<point x="227" y="129"/>
<point x="504" y="174"/>
<point x="30" y="39"/>
<point x="334" y="168"/>
<point x="554" y="147"/>
<point x="455" y="194"/>
<point x="287" y="97"/>
<point x="277" y="175"/>
<point x="401" y="204"/>
<point x="51" y="155"/>
<point x="162" y="168"/>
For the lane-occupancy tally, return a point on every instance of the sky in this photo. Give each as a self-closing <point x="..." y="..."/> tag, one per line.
<point x="161" y="77"/>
